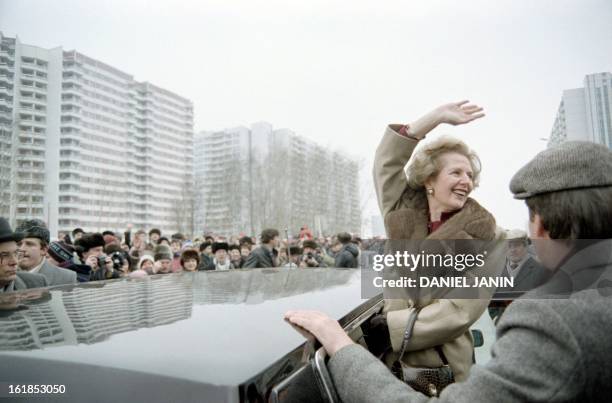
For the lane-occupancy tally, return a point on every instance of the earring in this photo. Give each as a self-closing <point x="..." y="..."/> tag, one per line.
<point x="430" y="191"/>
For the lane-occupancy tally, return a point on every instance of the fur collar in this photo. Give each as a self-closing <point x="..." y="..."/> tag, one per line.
<point x="471" y="222"/>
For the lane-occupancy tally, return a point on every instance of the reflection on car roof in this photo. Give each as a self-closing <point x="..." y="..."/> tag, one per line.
<point x="212" y="327"/>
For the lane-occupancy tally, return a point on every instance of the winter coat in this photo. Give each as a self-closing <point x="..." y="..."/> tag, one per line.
<point x="258" y="258"/>
<point x="57" y="275"/>
<point x="25" y="280"/>
<point x="347" y="257"/>
<point x="530" y="276"/>
<point x="206" y="263"/>
<point x="443" y="322"/>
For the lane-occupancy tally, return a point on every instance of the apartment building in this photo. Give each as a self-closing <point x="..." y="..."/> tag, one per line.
<point x="257" y="177"/>
<point x="585" y="113"/>
<point x="85" y="145"/>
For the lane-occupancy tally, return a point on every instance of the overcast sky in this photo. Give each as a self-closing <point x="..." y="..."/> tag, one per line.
<point x="338" y="71"/>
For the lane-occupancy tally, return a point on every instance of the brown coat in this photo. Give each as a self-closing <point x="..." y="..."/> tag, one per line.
<point x="444" y="322"/>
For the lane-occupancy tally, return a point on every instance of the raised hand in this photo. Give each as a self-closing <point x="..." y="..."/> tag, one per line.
<point x="458" y="113"/>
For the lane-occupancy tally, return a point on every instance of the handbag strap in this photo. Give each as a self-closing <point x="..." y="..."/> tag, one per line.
<point x="408" y="333"/>
<point x="441" y="354"/>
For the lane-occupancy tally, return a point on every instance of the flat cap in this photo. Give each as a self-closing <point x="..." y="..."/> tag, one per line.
<point x="570" y="165"/>
<point x="513" y="234"/>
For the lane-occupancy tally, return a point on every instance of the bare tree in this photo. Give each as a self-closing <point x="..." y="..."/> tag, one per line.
<point x="184" y="208"/>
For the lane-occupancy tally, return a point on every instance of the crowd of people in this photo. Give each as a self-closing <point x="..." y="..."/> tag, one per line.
<point x="90" y="256"/>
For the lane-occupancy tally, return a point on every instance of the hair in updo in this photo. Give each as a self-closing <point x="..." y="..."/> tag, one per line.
<point x="426" y="162"/>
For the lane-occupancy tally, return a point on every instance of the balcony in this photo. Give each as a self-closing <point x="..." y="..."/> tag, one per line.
<point x="7" y="68"/>
<point x="31" y="144"/>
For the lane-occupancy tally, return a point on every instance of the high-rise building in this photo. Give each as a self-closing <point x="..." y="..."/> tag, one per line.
<point x="221" y="175"/>
<point x="585" y="113"/>
<point x="248" y="179"/>
<point x="30" y="92"/>
<point x="85" y="145"/>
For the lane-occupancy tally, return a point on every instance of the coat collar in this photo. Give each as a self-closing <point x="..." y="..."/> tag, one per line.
<point x="471" y="222"/>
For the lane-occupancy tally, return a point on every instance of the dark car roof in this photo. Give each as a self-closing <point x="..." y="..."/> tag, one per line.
<point x="218" y="328"/>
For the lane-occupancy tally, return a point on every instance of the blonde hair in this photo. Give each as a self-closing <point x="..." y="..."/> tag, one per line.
<point x="426" y="162"/>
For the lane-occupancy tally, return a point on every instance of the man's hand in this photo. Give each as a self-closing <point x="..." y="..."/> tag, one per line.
<point x="92" y="261"/>
<point x="324" y="328"/>
<point x="458" y="113"/>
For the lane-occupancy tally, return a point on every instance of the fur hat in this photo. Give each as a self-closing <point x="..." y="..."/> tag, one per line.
<point x="309" y="244"/>
<point x="109" y="237"/>
<point x="111" y="248"/>
<point x="162" y="252"/>
<point x="90" y="240"/>
<point x="219" y="246"/>
<point x="246" y="239"/>
<point x="295" y="250"/>
<point x="178" y="237"/>
<point x="34" y="229"/>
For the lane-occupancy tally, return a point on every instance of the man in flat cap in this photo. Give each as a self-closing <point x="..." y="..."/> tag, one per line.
<point x="33" y="248"/>
<point x="553" y="344"/>
<point x="11" y="279"/>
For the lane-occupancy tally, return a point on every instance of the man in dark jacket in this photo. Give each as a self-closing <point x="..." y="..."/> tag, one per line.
<point x="263" y="255"/>
<point x="347" y="257"/>
<point x="552" y="345"/>
<point x="206" y="258"/>
<point x="236" y="257"/>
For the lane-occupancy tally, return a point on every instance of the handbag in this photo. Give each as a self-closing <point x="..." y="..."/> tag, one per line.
<point x="429" y="381"/>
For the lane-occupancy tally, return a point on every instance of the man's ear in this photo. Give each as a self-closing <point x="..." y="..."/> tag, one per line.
<point x="538" y="228"/>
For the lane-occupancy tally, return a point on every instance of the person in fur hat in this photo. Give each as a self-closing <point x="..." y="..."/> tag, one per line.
<point x="90" y="248"/>
<point x="221" y="259"/>
<point x="33" y="251"/>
